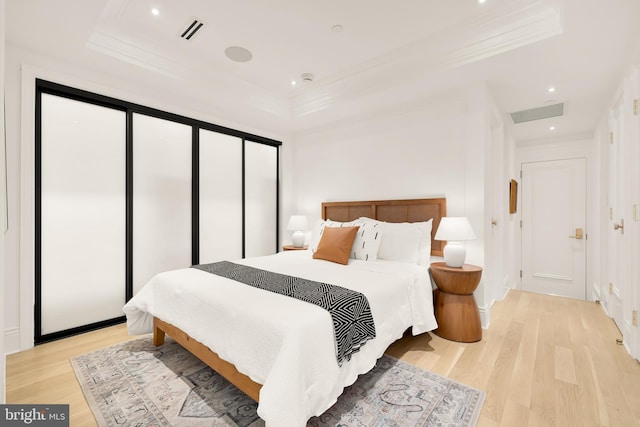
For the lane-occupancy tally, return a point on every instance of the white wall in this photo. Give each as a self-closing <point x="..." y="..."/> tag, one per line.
<point x="3" y="218"/>
<point x="433" y="148"/>
<point x="511" y="242"/>
<point x="599" y="238"/>
<point x="21" y="69"/>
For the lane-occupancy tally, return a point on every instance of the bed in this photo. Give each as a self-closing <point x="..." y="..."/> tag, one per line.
<point x="281" y="351"/>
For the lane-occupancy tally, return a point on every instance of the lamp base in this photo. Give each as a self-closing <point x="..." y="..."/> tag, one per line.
<point x="298" y="239"/>
<point x="454" y="254"/>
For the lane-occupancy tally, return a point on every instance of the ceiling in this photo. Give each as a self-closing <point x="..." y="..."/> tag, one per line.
<point x="384" y="57"/>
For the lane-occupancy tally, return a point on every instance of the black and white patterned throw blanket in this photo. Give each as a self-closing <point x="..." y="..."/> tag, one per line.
<point x="350" y="312"/>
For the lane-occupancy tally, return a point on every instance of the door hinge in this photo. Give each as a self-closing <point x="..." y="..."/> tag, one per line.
<point x="635" y="212"/>
<point x="520" y="223"/>
<point x="520" y="173"/>
<point x="635" y="107"/>
<point x="610" y="213"/>
<point x="521" y="274"/>
<point x="634" y="317"/>
<point x="610" y="288"/>
<point x="610" y="137"/>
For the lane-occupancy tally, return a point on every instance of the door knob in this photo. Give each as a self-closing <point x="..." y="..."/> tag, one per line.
<point x="578" y="235"/>
<point x="620" y="226"/>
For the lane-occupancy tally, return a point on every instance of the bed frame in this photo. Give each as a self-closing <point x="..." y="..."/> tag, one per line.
<point x="413" y="210"/>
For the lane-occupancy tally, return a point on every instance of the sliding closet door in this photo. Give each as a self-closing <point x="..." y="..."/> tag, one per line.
<point x="82" y="214"/>
<point x="261" y="199"/>
<point x="161" y="197"/>
<point x="220" y="183"/>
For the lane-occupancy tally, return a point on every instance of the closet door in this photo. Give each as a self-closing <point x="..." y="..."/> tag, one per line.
<point x="161" y="197"/>
<point x="220" y="201"/>
<point x="261" y="199"/>
<point x="81" y="276"/>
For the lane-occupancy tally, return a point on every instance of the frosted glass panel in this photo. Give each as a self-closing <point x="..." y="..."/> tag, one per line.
<point x="83" y="213"/>
<point x="261" y="187"/>
<point x="161" y="197"/>
<point x="220" y="197"/>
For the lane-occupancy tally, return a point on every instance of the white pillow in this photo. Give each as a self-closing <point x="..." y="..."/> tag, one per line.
<point x="367" y="241"/>
<point x="316" y="233"/>
<point x="405" y="241"/>
<point x="424" y="248"/>
<point x="401" y="243"/>
<point x="366" y="244"/>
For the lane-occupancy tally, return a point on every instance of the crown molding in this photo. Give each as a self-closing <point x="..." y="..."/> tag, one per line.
<point x="105" y="42"/>
<point x="486" y="35"/>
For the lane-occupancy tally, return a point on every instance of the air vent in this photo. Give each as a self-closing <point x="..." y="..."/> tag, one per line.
<point x="192" y="29"/>
<point x="539" y="113"/>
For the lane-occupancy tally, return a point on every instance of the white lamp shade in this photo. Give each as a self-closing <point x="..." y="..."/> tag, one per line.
<point x="457" y="229"/>
<point x="454" y="230"/>
<point x="297" y="223"/>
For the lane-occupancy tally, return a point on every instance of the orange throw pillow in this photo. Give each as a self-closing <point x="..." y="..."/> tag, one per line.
<point x="335" y="244"/>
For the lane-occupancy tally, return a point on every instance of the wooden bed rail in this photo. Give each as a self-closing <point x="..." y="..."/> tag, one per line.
<point x="204" y="353"/>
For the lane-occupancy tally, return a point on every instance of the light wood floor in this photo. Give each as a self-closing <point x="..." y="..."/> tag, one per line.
<point x="545" y="361"/>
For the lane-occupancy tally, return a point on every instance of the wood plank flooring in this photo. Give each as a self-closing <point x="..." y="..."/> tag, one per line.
<point x="544" y="361"/>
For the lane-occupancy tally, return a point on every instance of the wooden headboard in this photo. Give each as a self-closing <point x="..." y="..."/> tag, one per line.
<point x="413" y="210"/>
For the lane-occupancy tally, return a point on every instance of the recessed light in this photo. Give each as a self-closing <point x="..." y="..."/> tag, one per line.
<point x="552" y="128"/>
<point x="238" y="54"/>
<point x="551" y="89"/>
<point x="482" y="1"/>
<point x="293" y="82"/>
<point x="155" y="11"/>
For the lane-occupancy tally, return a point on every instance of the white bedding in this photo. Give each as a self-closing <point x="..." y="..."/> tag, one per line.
<point x="283" y="343"/>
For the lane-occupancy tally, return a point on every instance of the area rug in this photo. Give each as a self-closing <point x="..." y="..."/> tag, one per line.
<point x="137" y="384"/>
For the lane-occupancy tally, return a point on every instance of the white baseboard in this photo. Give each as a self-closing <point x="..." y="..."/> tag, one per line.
<point x="485" y="315"/>
<point x="595" y="292"/>
<point x="11" y="341"/>
<point x="505" y="291"/>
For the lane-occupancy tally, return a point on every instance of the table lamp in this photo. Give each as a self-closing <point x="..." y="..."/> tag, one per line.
<point x="454" y="230"/>
<point x="297" y="224"/>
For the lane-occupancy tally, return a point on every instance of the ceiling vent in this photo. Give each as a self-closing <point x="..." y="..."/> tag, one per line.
<point x="192" y="29"/>
<point x="539" y="113"/>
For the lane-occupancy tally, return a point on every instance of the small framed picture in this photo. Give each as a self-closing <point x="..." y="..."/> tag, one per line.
<point x="513" y="196"/>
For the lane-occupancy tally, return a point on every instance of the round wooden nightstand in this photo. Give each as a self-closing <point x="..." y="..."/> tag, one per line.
<point x="294" y="248"/>
<point x="456" y="309"/>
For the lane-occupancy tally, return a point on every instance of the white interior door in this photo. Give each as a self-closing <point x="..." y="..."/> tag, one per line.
<point x="220" y="197"/>
<point x="634" y="224"/>
<point x="261" y="199"/>
<point x="616" y="264"/>
<point x="161" y="197"/>
<point x="82" y="221"/>
<point x="553" y="227"/>
<point x="622" y="300"/>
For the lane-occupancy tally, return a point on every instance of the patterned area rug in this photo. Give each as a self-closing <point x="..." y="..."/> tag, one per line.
<point x="137" y="384"/>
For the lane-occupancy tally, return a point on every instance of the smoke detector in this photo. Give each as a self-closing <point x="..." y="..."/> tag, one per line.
<point x="307" y="77"/>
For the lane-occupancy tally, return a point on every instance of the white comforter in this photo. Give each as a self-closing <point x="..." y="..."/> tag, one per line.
<point x="283" y="343"/>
